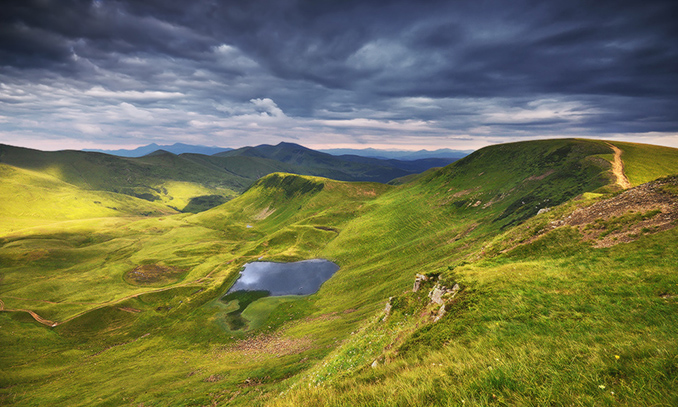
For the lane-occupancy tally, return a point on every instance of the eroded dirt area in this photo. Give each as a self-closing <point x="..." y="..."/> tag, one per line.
<point x="267" y="345"/>
<point x="648" y="208"/>
<point x="153" y="274"/>
<point x="618" y="168"/>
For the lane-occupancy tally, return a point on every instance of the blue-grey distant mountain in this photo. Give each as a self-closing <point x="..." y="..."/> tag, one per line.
<point x="343" y="167"/>
<point x="176" y="148"/>
<point x="400" y="155"/>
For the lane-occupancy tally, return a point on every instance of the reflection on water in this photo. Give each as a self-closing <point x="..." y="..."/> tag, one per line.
<point x="299" y="278"/>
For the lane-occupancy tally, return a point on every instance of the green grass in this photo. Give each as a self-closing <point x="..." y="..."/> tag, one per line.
<point x="538" y="328"/>
<point x="29" y="198"/>
<point x="535" y="324"/>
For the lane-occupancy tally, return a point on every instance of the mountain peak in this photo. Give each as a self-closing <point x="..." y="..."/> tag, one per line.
<point x="159" y="152"/>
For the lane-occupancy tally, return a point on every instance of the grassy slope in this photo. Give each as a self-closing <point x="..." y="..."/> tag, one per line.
<point x="643" y="163"/>
<point x="381" y="236"/>
<point x="166" y="178"/>
<point x="554" y="323"/>
<point x="29" y="198"/>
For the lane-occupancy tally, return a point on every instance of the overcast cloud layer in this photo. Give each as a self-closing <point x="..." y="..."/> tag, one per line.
<point x="336" y="73"/>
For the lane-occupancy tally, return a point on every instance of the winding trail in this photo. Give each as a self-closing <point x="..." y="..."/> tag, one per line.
<point x="35" y="316"/>
<point x="618" y="168"/>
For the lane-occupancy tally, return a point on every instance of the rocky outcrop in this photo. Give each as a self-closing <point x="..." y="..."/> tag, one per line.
<point x="418" y="279"/>
<point x="387" y="308"/>
<point x="441" y="313"/>
<point x="440" y="294"/>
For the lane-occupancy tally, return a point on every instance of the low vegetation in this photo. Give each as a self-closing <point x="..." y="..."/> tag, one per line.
<point x="517" y="303"/>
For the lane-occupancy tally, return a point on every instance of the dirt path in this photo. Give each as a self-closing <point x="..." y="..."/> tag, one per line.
<point x="618" y="168"/>
<point x="33" y="314"/>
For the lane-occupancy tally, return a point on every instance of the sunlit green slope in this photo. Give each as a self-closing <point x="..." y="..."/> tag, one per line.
<point x="543" y="317"/>
<point x="643" y="162"/>
<point x="163" y="177"/>
<point x="29" y="198"/>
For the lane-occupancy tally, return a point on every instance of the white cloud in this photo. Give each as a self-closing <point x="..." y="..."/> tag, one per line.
<point x="231" y="57"/>
<point x="88" y="128"/>
<point x="381" y="54"/>
<point x="268" y="107"/>
<point x="540" y="110"/>
<point x="130" y="111"/>
<point x="100" y="92"/>
<point x="404" y="125"/>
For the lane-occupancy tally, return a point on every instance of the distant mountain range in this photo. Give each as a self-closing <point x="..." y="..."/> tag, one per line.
<point x="176" y="148"/>
<point x="400" y="155"/>
<point x="342" y="167"/>
<point x="180" y="148"/>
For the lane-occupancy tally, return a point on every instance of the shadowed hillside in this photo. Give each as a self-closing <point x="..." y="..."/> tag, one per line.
<point x="343" y="168"/>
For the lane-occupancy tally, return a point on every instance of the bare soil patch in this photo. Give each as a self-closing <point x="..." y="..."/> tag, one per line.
<point x="327" y="228"/>
<point x="265" y="213"/>
<point x="618" y="168"/>
<point x="130" y="310"/>
<point x="213" y="378"/>
<point x="153" y="274"/>
<point x="266" y="346"/>
<point x="648" y="208"/>
<point x="540" y="177"/>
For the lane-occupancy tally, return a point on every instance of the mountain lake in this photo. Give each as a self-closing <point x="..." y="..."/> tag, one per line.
<point x="298" y="278"/>
<point x="261" y="279"/>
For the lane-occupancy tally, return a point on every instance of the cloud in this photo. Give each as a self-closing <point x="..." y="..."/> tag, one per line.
<point x="129" y="111"/>
<point x="267" y="107"/>
<point x="434" y="72"/>
<point x="88" y="128"/>
<point x="100" y="92"/>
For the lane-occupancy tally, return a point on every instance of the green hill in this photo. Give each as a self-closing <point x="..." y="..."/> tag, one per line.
<point x="162" y="177"/>
<point x="29" y="198"/>
<point x="555" y="288"/>
<point x="644" y="163"/>
<point x="196" y="182"/>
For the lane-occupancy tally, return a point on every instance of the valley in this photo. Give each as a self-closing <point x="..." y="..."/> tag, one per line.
<point x="546" y="275"/>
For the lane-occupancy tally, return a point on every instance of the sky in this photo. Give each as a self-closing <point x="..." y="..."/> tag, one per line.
<point x="336" y="73"/>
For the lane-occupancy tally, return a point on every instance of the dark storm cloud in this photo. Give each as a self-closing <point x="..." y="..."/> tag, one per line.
<point x="222" y="71"/>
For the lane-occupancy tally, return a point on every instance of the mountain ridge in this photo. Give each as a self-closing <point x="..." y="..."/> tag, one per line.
<point x="194" y="182"/>
<point x="181" y="148"/>
<point x="176" y="148"/>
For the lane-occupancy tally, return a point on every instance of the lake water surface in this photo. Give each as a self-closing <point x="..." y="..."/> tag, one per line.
<point x="298" y="278"/>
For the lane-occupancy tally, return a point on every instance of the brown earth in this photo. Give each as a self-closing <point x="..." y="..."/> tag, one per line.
<point x="618" y="168"/>
<point x="130" y="310"/>
<point x="35" y="316"/>
<point x="266" y="346"/>
<point x="265" y="213"/>
<point x="153" y="273"/>
<point x="648" y="208"/>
